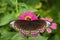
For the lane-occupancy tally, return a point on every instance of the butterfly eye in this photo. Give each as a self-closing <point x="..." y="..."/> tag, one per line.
<point x="12" y="23"/>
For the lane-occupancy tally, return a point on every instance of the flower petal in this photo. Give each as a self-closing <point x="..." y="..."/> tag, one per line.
<point x="49" y="19"/>
<point x="22" y="35"/>
<point x="48" y="30"/>
<point x="42" y="18"/>
<point x="54" y="26"/>
<point x="21" y="17"/>
<point x="41" y="30"/>
<point x="35" y="35"/>
<point x="31" y="14"/>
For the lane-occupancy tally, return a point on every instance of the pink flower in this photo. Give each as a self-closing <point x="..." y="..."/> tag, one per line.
<point x="49" y="26"/>
<point x="54" y="26"/>
<point x="47" y="19"/>
<point x="27" y="15"/>
<point x="35" y="35"/>
<point x="48" y="30"/>
<point x="21" y="17"/>
<point x="22" y="35"/>
<point x="42" y="30"/>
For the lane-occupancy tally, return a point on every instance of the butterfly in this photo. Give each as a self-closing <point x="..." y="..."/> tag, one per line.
<point x="29" y="27"/>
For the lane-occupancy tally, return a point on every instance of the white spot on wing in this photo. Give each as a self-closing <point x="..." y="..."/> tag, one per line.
<point x="12" y="23"/>
<point x="48" y="24"/>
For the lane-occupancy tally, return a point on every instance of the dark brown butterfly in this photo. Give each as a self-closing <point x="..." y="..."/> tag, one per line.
<point x="28" y="26"/>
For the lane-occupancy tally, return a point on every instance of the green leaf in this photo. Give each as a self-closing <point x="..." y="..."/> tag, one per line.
<point x="3" y="7"/>
<point x="57" y="37"/>
<point x="17" y="37"/>
<point x="58" y="17"/>
<point x="7" y="35"/>
<point x="23" y="8"/>
<point x="5" y="18"/>
<point x="13" y="2"/>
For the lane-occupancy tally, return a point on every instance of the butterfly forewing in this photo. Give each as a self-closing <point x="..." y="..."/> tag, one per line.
<point x="29" y="25"/>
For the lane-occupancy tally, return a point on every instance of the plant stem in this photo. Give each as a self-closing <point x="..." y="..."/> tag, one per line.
<point x="16" y="6"/>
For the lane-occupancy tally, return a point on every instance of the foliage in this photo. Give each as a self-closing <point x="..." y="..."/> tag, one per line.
<point x="10" y="10"/>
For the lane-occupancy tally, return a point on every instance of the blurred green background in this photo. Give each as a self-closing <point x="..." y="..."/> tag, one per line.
<point x="10" y="10"/>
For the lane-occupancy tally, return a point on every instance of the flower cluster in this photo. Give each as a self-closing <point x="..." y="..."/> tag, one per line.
<point x="31" y="16"/>
<point x="52" y="26"/>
